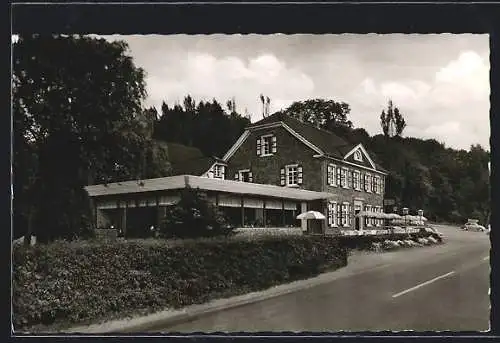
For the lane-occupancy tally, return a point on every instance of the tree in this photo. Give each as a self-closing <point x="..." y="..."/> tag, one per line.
<point x="327" y="114"/>
<point x="194" y="216"/>
<point x="392" y="121"/>
<point x="77" y="105"/>
<point x="266" y="104"/>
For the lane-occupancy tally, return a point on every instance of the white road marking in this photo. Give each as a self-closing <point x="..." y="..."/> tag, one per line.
<point x="486" y="258"/>
<point x="423" y="284"/>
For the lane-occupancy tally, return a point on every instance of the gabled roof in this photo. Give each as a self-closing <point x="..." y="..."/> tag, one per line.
<point x="329" y="143"/>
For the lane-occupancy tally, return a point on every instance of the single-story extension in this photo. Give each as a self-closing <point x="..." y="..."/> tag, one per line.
<point x="134" y="206"/>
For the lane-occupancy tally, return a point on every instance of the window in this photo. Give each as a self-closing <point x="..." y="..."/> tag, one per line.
<point x="332" y="208"/>
<point x="349" y="178"/>
<point x="343" y="177"/>
<point x="339" y="213"/>
<point x="266" y="145"/>
<point x="374" y="184"/>
<point x="219" y="171"/>
<point x="338" y="176"/>
<point x="368" y="219"/>
<point x="330" y="175"/>
<point x="355" y="180"/>
<point x="368" y="183"/>
<point x="292" y="172"/>
<point x="245" y="175"/>
<point x="358" y="156"/>
<point x="345" y="214"/>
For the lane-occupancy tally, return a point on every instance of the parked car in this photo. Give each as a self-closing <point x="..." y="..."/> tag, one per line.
<point x="472" y="225"/>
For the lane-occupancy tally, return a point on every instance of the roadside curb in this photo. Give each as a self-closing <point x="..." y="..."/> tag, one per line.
<point x="171" y="317"/>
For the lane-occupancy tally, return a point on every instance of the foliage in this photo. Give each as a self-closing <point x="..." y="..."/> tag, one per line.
<point x="327" y="114"/>
<point x="194" y="216"/>
<point x="75" y="282"/>
<point x="77" y="120"/>
<point x="392" y="121"/>
<point x="205" y="125"/>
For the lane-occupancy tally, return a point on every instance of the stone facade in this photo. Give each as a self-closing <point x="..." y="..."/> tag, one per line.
<point x="266" y="169"/>
<point x="290" y="150"/>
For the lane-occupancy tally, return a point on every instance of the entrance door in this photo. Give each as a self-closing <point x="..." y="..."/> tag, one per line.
<point x="358" y="205"/>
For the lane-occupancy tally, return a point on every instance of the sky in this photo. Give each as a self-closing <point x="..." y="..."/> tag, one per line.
<point x="440" y="82"/>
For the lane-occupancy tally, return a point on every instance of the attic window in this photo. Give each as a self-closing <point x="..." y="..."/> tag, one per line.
<point x="219" y="171"/>
<point x="358" y="156"/>
<point x="266" y="145"/>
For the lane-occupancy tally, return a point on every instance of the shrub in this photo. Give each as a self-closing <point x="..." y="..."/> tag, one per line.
<point x="194" y="216"/>
<point x="80" y="281"/>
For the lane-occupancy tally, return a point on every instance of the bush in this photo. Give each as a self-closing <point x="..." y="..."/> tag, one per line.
<point x="194" y="216"/>
<point x="71" y="282"/>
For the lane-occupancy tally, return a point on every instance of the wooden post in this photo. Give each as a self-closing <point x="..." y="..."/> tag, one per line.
<point x="283" y="216"/>
<point x="158" y="215"/>
<point x="242" y="213"/>
<point x="124" y="220"/>
<point x="264" y="213"/>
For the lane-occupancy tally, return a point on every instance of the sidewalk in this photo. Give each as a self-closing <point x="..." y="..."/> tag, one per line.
<point x="358" y="263"/>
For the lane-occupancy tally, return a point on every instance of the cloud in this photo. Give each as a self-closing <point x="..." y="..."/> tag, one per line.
<point x="205" y="77"/>
<point x="435" y="80"/>
<point x="453" y="106"/>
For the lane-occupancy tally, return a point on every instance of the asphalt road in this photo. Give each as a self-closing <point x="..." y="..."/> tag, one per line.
<point x="434" y="288"/>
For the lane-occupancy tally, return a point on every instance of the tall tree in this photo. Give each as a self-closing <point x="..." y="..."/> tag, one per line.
<point x="77" y="105"/>
<point x="327" y="114"/>
<point x="392" y="121"/>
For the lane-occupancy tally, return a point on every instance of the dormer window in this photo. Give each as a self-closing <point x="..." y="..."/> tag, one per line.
<point x="358" y="156"/>
<point x="266" y="145"/>
<point x="219" y="171"/>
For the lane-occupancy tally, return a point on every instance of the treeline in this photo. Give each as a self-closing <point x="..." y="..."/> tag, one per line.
<point x="449" y="185"/>
<point x="205" y="125"/>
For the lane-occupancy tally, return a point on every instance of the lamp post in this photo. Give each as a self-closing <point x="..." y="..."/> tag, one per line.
<point x="420" y="214"/>
<point x="405" y="213"/>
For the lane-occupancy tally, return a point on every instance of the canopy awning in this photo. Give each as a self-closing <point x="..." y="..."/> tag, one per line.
<point x="311" y="215"/>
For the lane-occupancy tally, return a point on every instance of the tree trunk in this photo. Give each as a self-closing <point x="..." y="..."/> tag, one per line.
<point x="29" y="228"/>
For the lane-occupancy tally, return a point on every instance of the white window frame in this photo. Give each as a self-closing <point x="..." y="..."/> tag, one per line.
<point x="368" y="182"/>
<point x="287" y="173"/>
<point x="356" y="180"/>
<point x="332" y="213"/>
<point x="368" y="208"/>
<point x="262" y="145"/>
<point x="343" y="177"/>
<point x="345" y="214"/>
<point x="219" y="171"/>
<point x="358" y="156"/>
<point x="332" y="169"/>
<point x="240" y="174"/>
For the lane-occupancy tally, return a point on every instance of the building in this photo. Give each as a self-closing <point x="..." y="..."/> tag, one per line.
<point x="278" y="168"/>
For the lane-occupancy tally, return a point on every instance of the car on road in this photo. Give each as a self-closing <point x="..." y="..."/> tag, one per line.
<point x="473" y="225"/>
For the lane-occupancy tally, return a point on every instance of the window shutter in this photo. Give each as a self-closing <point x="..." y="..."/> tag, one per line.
<point x="250" y="178"/>
<point x="349" y="210"/>
<point x="282" y="176"/>
<point x="222" y="172"/>
<point x="330" y="222"/>
<point x="337" y="180"/>
<point x="299" y="175"/>
<point x="258" y="147"/>
<point x="329" y="174"/>
<point x="237" y="176"/>
<point x="349" y="178"/>
<point x="274" y="145"/>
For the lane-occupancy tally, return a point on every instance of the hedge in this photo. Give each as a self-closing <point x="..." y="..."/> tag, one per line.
<point x="71" y="283"/>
